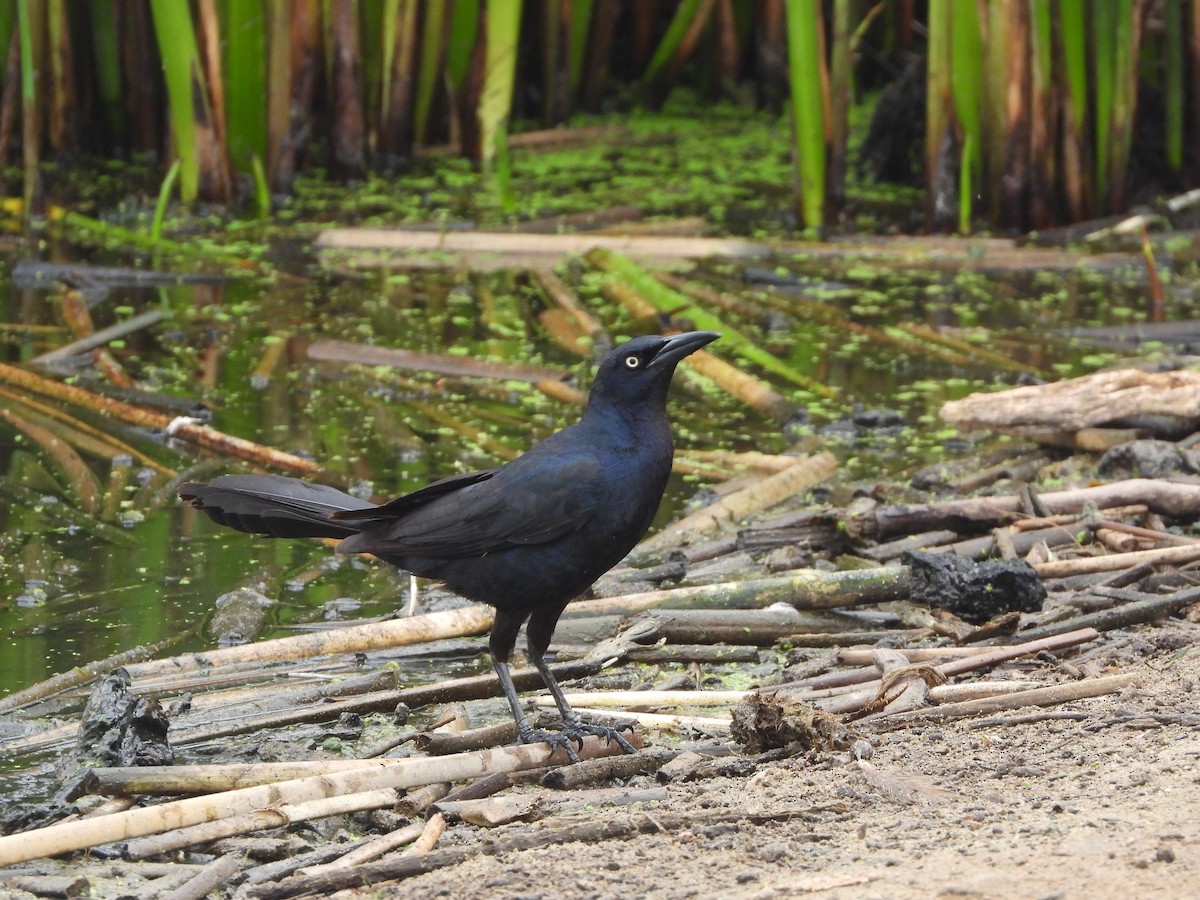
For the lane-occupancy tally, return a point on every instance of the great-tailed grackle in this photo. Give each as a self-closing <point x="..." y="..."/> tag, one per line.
<point x="527" y="537"/>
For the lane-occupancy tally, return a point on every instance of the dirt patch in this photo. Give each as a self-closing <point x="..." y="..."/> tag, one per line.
<point x="1097" y="799"/>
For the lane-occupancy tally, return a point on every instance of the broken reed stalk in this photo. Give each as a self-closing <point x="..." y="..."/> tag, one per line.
<point x="804" y="474"/>
<point x="591" y="830"/>
<point x="801" y="588"/>
<point x="1171" y="499"/>
<point x="175" y="427"/>
<point x="1046" y="696"/>
<point x="371" y="776"/>
<point x="1084" y="565"/>
<point x="1121" y="616"/>
<point x="466" y="621"/>
<point x="277" y="815"/>
<point x="848" y="697"/>
<point x="372" y="849"/>
<point x="659" y="720"/>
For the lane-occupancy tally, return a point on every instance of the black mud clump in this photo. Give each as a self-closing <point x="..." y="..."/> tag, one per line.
<point x="119" y="728"/>
<point x="974" y="591"/>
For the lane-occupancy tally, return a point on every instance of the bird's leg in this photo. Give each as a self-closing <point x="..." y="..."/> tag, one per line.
<point x="504" y="635"/>
<point x="527" y="733"/>
<point x="575" y="726"/>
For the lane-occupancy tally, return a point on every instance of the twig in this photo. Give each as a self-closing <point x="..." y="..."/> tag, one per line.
<point x="367" y="851"/>
<point x="1047" y="696"/>
<point x="144" y="418"/>
<point x="803" y="589"/>
<point x="63" y="838"/>
<point x="1121" y="616"/>
<point x="1084" y="565"/>
<point x="208" y="879"/>
<point x="528" y="837"/>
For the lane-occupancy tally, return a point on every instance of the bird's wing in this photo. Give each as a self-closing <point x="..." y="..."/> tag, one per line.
<point x="519" y="504"/>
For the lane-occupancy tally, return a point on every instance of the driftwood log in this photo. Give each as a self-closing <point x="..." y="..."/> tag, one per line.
<point x="1091" y="400"/>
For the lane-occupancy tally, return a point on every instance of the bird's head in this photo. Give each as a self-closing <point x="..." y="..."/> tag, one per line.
<point x="640" y="371"/>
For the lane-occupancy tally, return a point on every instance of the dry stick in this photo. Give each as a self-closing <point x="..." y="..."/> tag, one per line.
<point x="802" y="588"/>
<point x="55" y="839"/>
<point x="440" y="363"/>
<point x="277" y="815"/>
<point x="371" y="849"/>
<point x="1176" y="500"/>
<point x="208" y="879"/>
<point x="743" y="386"/>
<point x="637" y="699"/>
<point x="565" y="299"/>
<point x="1047" y="696"/>
<point x="185" y="430"/>
<point x="526" y="838"/>
<point x="480" y="247"/>
<point x="807" y="472"/>
<point x="595" y="770"/>
<point x="658" y="720"/>
<point x="841" y="699"/>
<point x="469" y="620"/>
<point x="103" y="336"/>
<point x="1121" y="616"/>
<point x="443" y="743"/>
<point x="1085" y="565"/>
<point x="208" y="778"/>
<point x="434" y="827"/>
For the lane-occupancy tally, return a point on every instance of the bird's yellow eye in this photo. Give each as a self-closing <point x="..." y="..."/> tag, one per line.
<point x="632" y="362"/>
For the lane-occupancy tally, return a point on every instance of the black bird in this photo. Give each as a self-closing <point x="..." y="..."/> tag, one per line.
<point x="527" y="537"/>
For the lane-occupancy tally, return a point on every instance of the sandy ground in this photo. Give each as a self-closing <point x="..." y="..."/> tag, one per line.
<point x="1107" y="805"/>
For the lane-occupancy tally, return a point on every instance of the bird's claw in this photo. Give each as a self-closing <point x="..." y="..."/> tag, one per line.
<point x="579" y="729"/>
<point x="557" y="740"/>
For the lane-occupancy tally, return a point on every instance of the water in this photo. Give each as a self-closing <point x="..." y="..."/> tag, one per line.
<point x="70" y="594"/>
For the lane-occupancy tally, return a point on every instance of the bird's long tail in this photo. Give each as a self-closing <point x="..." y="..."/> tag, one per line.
<point x="274" y="505"/>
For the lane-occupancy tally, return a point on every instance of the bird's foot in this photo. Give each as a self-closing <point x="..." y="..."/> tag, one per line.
<point x="564" y="740"/>
<point x="580" y="729"/>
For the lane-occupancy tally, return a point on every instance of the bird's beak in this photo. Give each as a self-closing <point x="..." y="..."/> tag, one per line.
<point x="678" y="346"/>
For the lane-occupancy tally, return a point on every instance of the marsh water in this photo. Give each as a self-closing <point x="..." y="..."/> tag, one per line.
<point x="75" y="588"/>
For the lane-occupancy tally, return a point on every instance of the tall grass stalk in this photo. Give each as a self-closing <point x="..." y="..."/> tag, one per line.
<point x="246" y="70"/>
<point x="805" y="26"/>
<point x="1174" y="75"/>
<point x="173" y="27"/>
<point x="940" y="141"/>
<point x="31" y="26"/>
<point x="499" y="76"/>
<point x="969" y="88"/>
<point x="1073" y="32"/>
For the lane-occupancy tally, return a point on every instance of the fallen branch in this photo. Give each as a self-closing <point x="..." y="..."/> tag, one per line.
<point x="802" y="589"/>
<point x="804" y="474"/>
<point x="462" y="622"/>
<point x="277" y="815"/>
<point x="440" y="363"/>
<point x="1047" y="696"/>
<point x="1167" y="498"/>
<point x="65" y="837"/>
<point x="1084" y="565"/>
<point x="178" y="428"/>
<point x="1133" y="613"/>
<point x="528" y="837"/>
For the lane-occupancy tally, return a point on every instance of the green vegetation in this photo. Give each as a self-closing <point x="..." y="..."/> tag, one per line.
<point x="1032" y="104"/>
